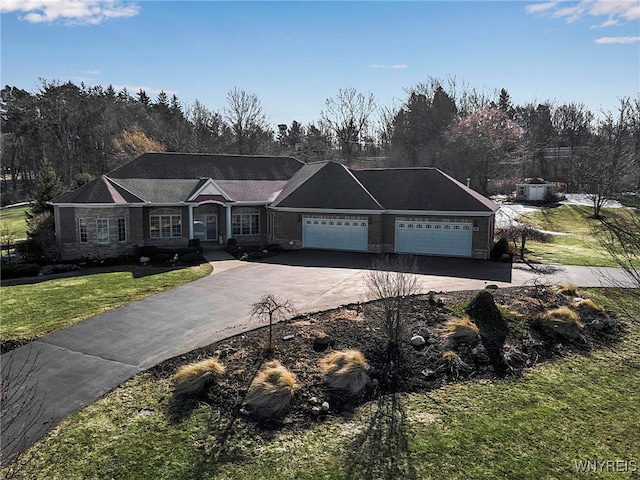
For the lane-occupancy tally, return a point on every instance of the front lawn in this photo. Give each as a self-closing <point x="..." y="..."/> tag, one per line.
<point x="582" y="406"/>
<point x="15" y="218"/>
<point x="577" y="245"/>
<point x="34" y="310"/>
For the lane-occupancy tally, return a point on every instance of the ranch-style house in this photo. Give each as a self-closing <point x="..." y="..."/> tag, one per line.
<point x="166" y="199"/>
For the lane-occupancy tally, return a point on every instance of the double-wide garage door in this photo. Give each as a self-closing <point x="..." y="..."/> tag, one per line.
<point x="335" y="234"/>
<point x="434" y="238"/>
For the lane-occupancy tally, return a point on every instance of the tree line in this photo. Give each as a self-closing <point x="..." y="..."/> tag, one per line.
<point x="481" y="138"/>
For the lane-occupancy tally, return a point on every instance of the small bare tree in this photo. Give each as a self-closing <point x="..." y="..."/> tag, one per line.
<point x="21" y="409"/>
<point x="273" y="308"/>
<point x="521" y="232"/>
<point x="7" y="237"/>
<point x="392" y="281"/>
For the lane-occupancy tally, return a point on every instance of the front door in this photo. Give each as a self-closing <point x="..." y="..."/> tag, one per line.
<point x="205" y="227"/>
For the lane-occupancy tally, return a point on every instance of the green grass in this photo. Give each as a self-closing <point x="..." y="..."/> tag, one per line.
<point x="581" y="407"/>
<point x="15" y="218"/>
<point x="579" y="247"/>
<point x="35" y="310"/>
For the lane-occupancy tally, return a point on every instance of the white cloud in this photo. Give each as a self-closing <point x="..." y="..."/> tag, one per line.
<point x="85" y="12"/>
<point x="619" y="40"/>
<point x="397" y="66"/>
<point x="616" y="11"/>
<point x="540" y="7"/>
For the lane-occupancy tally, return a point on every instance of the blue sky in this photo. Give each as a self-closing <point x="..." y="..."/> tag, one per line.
<point x="294" y="55"/>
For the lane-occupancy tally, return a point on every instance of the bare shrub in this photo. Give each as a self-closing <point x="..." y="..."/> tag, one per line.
<point x="271" y="390"/>
<point x="195" y="378"/>
<point x="22" y="411"/>
<point x="345" y="371"/>
<point x="457" y="331"/>
<point x="393" y="283"/>
<point x="561" y="321"/>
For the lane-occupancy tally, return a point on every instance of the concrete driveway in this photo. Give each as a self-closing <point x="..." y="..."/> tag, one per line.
<point x="79" y="364"/>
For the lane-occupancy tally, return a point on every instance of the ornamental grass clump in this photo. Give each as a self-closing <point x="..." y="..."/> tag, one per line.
<point x="271" y="390"/>
<point x="346" y="372"/>
<point x="457" y="331"/>
<point x="196" y="378"/>
<point x="452" y="364"/>
<point x="569" y="289"/>
<point x="561" y="321"/>
<point x="587" y="305"/>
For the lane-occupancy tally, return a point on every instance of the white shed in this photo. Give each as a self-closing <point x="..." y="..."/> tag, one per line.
<point x="534" y="190"/>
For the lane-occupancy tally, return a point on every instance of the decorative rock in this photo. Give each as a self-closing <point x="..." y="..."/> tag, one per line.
<point x="325" y="406"/>
<point x="428" y="373"/>
<point x="144" y="260"/>
<point x="418" y="341"/>
<point x="288" y="337"/>
<point x="321" y="342"/>
<point x="314" y="400"/>
<point x="431" y="299"/>
<point x="315" y="410"/>
<point x="491" y="287"/>
<point x="145" y="412"/>
<point x="227" y="351"/>
<point x="424" y="332"/>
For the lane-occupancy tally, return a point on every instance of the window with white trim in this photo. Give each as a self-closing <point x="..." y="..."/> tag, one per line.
<point x="122" y="230"/>
<point x="82" y="230"/>
<point x="165" y="223"/>
<point x="245" y="221"/>
<point x="102" y="231"/>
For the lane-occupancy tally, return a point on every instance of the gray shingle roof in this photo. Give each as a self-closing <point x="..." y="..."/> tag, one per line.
<point x="160" y="190"/>
<point x="100" y="190"/>
<point x="422" y="188"/>
<point x="219" y="167"/>
<point x="326" y="185"/>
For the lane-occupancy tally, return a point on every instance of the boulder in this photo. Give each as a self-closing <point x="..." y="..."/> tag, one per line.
<point x="418" y="341"/>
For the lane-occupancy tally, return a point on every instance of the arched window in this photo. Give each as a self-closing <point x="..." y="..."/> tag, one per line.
<point x="245" y="221"/>
<point x="165" y="223"/>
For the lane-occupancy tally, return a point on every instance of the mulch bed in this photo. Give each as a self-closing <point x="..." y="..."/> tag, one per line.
<point x="418" y="369"/>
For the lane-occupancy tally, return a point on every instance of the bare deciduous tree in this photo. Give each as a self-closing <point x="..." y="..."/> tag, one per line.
<point x="246" y="119"/>
<point x="347" y="117"/>
<point x="619" y="237"/>
<point x="272" y="308"/>
<point x="610" y="165"/>
<point x="392" y="281"/>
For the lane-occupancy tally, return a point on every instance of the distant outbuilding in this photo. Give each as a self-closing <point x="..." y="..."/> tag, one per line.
<point x="534" y="190"/>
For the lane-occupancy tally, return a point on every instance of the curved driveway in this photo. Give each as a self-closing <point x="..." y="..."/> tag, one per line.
<point x="79" y="364"/>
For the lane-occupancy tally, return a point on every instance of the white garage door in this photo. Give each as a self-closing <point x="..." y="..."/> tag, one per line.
<point x="434" y="238"/>
<point x="536" y="192"/>
<point x="335" y="234"/>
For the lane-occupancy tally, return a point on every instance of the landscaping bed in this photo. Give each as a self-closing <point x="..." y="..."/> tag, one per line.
<point x="527" y="341"/>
